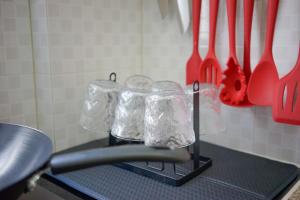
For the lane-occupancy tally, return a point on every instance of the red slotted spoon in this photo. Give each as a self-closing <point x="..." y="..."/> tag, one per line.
<point x="286" y="106"/>
<point x="210" y="69"/>
<point x="264" y="78"/>
<point x="234" y="82"/>
<point x="193" y="64"/>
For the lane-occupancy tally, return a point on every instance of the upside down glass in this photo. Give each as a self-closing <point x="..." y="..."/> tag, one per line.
<point x="130" y="111"/>
<point x="98" y="109"/>
<point x="211" y="121"/>
<point x="167" y="117"/>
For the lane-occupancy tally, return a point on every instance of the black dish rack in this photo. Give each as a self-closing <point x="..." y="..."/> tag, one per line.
<point x="174" y="174"/>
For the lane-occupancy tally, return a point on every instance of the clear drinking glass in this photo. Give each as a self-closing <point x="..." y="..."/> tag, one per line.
<point x="166" y="86"/>
<point x="167" y="117"/>
<point x="98" y="109"/>
<point x="139" y="82"/>
<point x="211" y="121"/>
<point x="130" y="111"/>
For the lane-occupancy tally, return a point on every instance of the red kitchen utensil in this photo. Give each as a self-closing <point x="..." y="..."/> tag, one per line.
<point x="286" y="106"/>
<point x="193" y="64"/>
<point x="234" y="82"/>
<point x="264" y="78"/>
<point x="210" y="69"/>
<point x="248" y="14"/>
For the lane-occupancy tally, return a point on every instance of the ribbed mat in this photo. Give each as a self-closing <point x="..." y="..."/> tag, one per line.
<point x="233" y="176"/>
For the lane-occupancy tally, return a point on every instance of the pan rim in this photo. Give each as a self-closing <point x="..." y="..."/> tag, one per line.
<point x="21" y="179"/>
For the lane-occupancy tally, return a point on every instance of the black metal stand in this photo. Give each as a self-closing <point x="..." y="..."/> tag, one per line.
<point x="170" y="173"/>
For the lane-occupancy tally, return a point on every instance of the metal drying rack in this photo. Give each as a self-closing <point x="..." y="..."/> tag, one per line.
<point x="174" y="174"/>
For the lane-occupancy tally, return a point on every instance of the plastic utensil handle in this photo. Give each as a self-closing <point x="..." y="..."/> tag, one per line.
<point x="297" y="68"/>
<point x="248" y="14"/>
<point x="298" y="59"/>
<point x="196" y="22"/>
<point x="271" y="20"/>
<point x="231" y="14"/>
<point x="213" y="15"/>
<point x="61" y="163"/>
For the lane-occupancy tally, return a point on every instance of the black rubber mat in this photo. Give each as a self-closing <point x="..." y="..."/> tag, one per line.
<point x="233" y="176"/>
<point x="256" y="174"/>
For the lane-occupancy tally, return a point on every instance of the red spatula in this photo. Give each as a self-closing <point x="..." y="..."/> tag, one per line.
<point x="264" y="78"/>
<point x="193" y="64"/>
<point x="286" y="106"/>
<point x="234" y="82"/>
<point x="210" y="69"/>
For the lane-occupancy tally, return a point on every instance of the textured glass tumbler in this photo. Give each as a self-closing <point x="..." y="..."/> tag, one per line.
<point x="98" y="109"/>
<point x="167" y="118"/>
<point x="130" y="111"/>
<point x="166" y="86"/>
<point x="211" y="121"/>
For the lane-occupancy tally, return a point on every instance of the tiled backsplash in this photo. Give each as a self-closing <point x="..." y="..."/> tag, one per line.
<point x="166" y="51"/>
<point x="17" y="93"/>
<point x="76" y="41"/>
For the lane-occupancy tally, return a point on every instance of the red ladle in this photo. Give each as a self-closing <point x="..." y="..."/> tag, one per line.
<point x="265" y="77"/>
<point x="193" y="64"/>
<point x="286" y="107"/>
<point x="210" y="69"/>
<point x="234" y="82"/>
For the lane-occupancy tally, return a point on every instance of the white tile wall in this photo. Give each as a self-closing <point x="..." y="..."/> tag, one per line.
<point x="76" y="41"/>
<point x="166" y="50"/>
<point x="42" y="72"/>
<point x="17" y="93"/>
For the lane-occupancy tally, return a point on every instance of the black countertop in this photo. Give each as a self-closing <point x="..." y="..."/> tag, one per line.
<point x="234" y="175"/>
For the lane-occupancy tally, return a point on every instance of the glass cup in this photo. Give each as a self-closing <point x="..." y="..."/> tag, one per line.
<point x="130" y="111"/>
<point x="167" y="117"/>
<point x="211" y="121"/>
<point x="139" y="83"/>
<point x="166" y="86"/>
<point x="98" y="109"/>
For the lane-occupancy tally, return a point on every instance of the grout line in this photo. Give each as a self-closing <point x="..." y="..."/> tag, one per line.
<point x="33" y="65"/>
<point x="51" y="78"/>
<point x="34" y="73"/>
<point x="142" y="38"/>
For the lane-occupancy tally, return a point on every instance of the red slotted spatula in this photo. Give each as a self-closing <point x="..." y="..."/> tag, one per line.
<point x="193" y="64"/>
<point x="210" y="69"/>
<point x="234" y="82"/>
<point x="286" y="106"/>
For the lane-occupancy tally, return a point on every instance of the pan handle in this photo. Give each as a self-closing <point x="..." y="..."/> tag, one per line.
<point x="61" y="163"/>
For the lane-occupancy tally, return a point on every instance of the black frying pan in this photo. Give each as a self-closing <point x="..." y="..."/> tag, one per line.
<point x="25" y="153"/>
